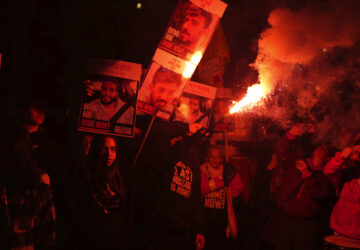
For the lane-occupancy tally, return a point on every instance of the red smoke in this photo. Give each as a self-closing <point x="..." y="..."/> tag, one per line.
<point x="312" y="54"/>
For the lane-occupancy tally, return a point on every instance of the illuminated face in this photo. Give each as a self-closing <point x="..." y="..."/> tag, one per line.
<point x="320" y="156"/>
<point x="214" y="158"/>
<point x="191" y="29"/>
<point x="162" y="94"/>
<point x="108" y="152"/>
<point x="194" y="105"/>
<point x="36" y="116"/>
<point x="108" y="92"/>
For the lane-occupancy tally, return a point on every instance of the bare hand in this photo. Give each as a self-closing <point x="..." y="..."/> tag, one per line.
<point x="175" y="140"/>
<point x="346" y="152"/>
<point x="89" y="88"/>
<point x="45" y="179"/>
<point x="301" y="128"/>
<point x="302" y="167"/>
<point x="273" y="163"/>
<point x="127" y="90"/>
<point x="200" y="241"/>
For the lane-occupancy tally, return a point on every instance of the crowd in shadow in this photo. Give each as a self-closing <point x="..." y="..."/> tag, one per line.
<point x="180" y="193"/>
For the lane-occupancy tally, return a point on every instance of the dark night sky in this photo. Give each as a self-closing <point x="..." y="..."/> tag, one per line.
<point x="46" y="43"/>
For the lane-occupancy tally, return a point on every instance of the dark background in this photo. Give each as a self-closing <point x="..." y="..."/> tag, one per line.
<point x="45" y="44"/>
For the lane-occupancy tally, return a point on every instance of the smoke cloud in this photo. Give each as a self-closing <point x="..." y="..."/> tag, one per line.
<point x="308" y="63"/>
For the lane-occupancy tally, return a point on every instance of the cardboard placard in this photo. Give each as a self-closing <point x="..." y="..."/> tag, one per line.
<point x="196" y="104"/>
<point x="160" y="91"/>
<point x="116" y="68"/>
<point x="191" y="28"/>
<point x="179" y="52"/>
<point x="109" y="101"/>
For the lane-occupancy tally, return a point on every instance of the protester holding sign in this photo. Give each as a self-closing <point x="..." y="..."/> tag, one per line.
<point x="180" y="50"/>
<point x="167" y="184"/>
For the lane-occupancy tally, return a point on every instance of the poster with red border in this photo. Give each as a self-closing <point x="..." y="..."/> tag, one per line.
<point x="196" y="104"/>
<point x="179" y="52"/>
<point x="191" y="27"/>
<point x="108" y="104"/>
<point x="160" y="91"/>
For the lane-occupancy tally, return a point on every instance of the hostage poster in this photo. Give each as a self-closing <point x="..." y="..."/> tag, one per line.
<point x="191" y="27"/>
<point x="160" y="91"/>
<point x="178" y="54"/>
<point x="108" y="103"/>
<point x="196" y="104"/>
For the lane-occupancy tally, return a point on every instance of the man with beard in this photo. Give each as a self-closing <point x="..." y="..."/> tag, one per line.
<point x="164" y="85"/>
<point x="195" y="25"/>
<point x="109" y="106"/>
<point x="196" y="116"/>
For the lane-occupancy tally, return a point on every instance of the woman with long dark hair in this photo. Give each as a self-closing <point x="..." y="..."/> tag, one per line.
<point x="105" y="224"/>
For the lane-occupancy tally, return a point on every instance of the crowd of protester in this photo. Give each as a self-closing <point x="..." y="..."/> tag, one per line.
<point x="180" y="193"/>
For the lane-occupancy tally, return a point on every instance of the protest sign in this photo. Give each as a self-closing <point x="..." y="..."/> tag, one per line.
<point x="108" y="105"/>
<point x="191" y="27"/>
<point x="160" y="91"/>
<point x="178" y="54"/>
<point x="196" y="103"/>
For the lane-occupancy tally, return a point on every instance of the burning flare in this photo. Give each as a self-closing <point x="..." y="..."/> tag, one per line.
<point x="191" y="66"/>
<point x="253" y="95"/>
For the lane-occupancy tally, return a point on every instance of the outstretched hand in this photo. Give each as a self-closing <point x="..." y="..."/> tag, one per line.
<point x="302" y="128"/>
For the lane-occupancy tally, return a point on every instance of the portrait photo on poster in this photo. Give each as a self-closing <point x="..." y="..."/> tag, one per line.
<point x="189" y="31"/>
<point x="108" y="105"/>
<point x="160" y="91"/>
<point x="196" y="104"/>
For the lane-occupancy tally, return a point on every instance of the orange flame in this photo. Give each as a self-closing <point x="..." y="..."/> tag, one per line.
<point x="254" y="94"/>
<point x="191" y="66"/>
